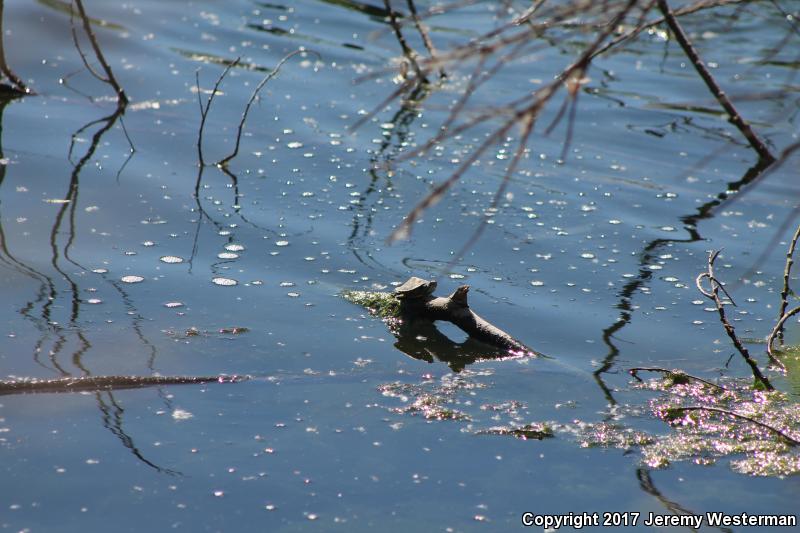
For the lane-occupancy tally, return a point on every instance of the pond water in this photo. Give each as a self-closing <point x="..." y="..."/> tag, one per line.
<point x="138" y="263"/>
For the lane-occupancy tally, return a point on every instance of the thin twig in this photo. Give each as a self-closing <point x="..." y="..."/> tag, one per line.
<point x="402" y="231"/>
<point x="205" y="108"/>
<point x="81" y="53"/>
<point x="18" y="84"/>
<point x="733" y="115"/>
<point x="224" y="160"/>
<point x="779" y="327"/>
<point x="408" y="52"/>
<point x="527" y="129"/>
<point x="128" y="137"/>
<point x="789" y="439"/>
<point x="122" y="99"/>
<point x="687" y="10"/>
<point x="713" y="294"/>
<point x="633" y="372"/>
<point x="526" y="15"/>
<point x="535" y="103"/>
<point x="786" y="274"/>
<point x="426" y="38"/>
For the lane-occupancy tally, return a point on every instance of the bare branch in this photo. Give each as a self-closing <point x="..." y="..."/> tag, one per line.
<point x="122" y="99"/>
<point x="785" y="292"/>
<point x="275" y="71"/>
<point x="634" y="372"/>
<point x="204" y="109"/>
<point x="691" y="53"/>
<point x="426" y="38"/>
<point x="713" y="294"/>
<point x="18" y="84"/>
<point x="408" y="52"/>
<point x="778" y="327"/>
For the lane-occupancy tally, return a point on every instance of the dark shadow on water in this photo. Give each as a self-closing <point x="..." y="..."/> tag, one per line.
<point x="421" y="339"/>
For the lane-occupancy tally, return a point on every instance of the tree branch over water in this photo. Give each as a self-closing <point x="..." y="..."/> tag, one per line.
<point x="122" y="99"/>
<point x="734" y="116"/>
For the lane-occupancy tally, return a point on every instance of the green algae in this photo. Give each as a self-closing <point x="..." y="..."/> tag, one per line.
<point x="757" y="430"/>
<point x="381" y="304"/>
<point x="433" y="403"/>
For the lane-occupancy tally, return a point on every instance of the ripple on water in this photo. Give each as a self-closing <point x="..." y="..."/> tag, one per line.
<point x="131" y="279"/>
<point x="225" y="282"/>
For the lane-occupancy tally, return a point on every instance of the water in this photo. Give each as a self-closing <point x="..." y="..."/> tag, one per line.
<point x="138" y="263"/>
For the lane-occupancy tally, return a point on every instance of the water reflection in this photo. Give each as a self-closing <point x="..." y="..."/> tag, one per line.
<point x="708" y="210"/>
<point x="113" y="420"/>
<point x="396" y="133"/>
<point x="422" y="340"/>
<point x="647" y="484"/>
<point x="16" y="87"/>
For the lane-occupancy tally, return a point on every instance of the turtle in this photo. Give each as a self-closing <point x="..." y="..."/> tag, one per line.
<point x="415" y="288"/>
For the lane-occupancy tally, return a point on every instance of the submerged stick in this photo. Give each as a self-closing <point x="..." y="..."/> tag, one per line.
<point x="790" y="440"/>
<point x="674" y="374"/>
<point x="95" y="383"/>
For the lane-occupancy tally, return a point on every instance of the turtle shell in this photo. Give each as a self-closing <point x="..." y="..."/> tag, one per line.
<point x="415" y="288"/>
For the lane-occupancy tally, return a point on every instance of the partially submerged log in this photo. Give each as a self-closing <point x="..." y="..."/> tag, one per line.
<point x="414" y="300"/>
<point x="102" y="383"/>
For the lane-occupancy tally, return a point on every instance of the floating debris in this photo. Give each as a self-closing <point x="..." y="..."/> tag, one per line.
<point x="180" y="414"/>
<point x="131" y="279"/>
<point x="235" y="330"/>
<point x="224" y="282"/>
<point x="171" y="259"/>
<point x="538" y="431"/>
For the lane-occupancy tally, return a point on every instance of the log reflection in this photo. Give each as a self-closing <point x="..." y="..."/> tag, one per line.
<point x="421" y="339"/>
